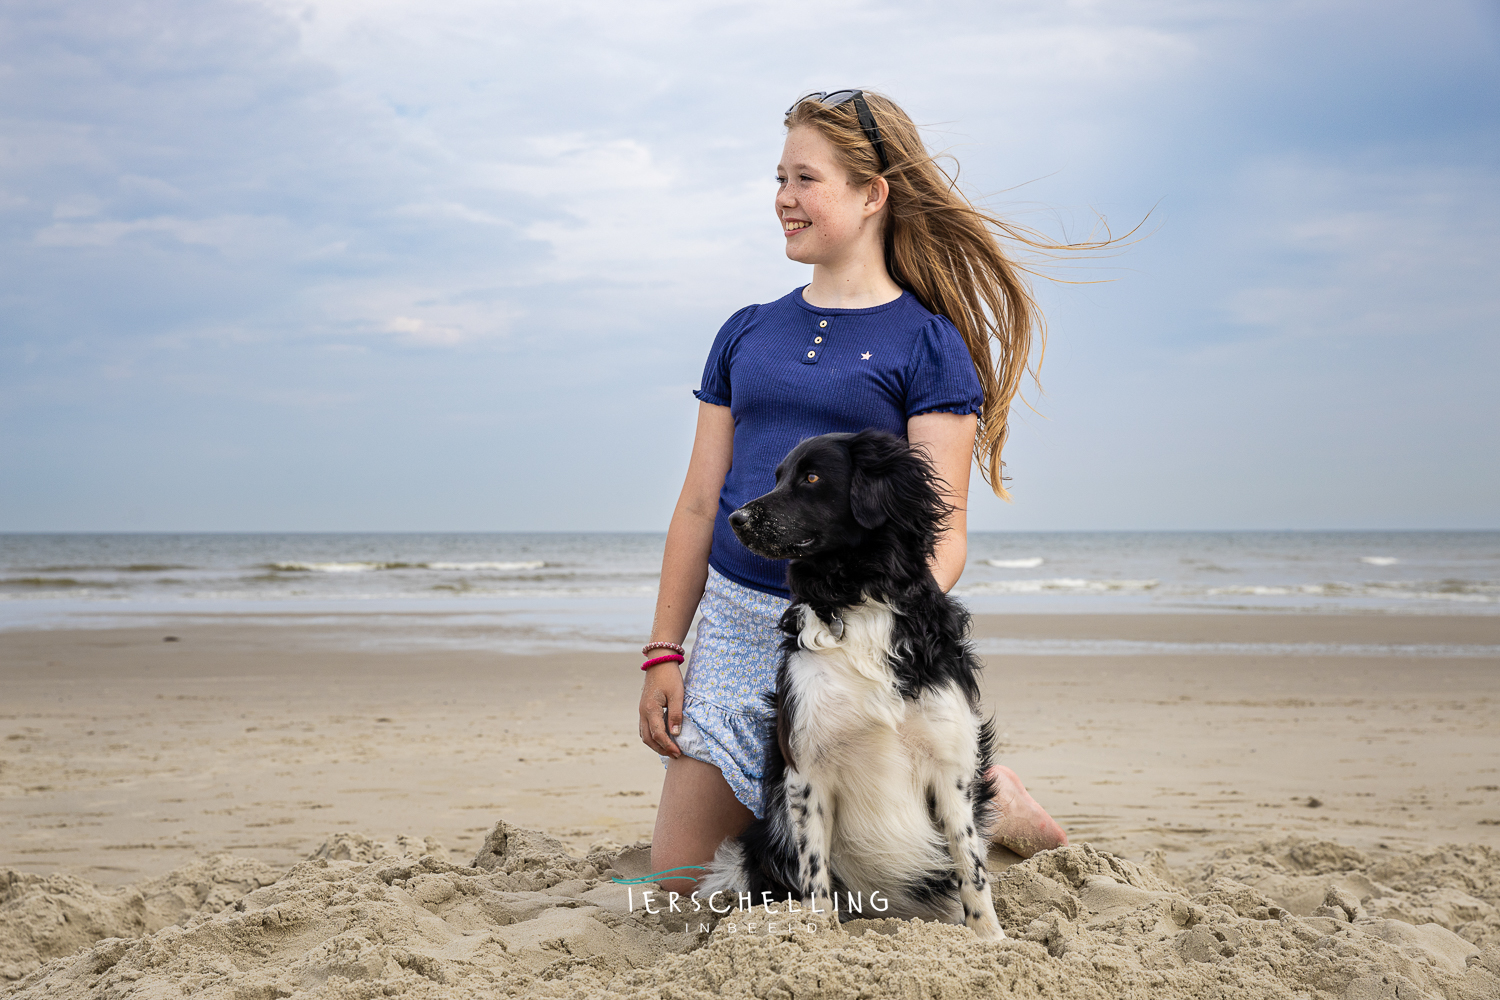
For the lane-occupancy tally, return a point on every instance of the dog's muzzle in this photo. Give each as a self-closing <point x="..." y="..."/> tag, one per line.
<point x="764" y="535"/>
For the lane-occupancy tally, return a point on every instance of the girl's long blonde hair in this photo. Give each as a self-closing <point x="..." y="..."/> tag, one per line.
<point x="948" y="254"/>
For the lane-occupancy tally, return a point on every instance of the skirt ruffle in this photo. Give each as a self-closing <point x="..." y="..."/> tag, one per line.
<point x="726" y="717"/>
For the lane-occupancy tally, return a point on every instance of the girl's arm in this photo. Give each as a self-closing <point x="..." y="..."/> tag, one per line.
<point x="948" y="439"/>
<point x="684" y="571"/>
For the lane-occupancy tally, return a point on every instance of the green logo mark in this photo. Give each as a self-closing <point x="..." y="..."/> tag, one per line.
<point x="657" y="876"/>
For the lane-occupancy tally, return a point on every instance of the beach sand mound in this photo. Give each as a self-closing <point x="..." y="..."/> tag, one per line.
<point x="363" y="919"/>
<point x="49" y="916"/>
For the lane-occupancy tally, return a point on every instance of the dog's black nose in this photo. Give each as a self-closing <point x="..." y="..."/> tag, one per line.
<point x="739" y="519"/>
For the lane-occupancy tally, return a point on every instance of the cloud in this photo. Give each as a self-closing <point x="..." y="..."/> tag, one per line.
<point x="409" y="217"/>
<point x="306" y="159"/>
<point x="227" y="234"/>
<point x="1381" y="252"/>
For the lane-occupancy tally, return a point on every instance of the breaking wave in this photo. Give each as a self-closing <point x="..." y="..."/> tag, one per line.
<point x="48" y="583"/>
<point x="368" y="567"/>
<point x="1451" y="591"/>
<point x="1063" y="585"/>
<point x="1470" y="591"/>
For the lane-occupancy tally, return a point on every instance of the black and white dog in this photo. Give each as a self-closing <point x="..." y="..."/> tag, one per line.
<point x="874" y="781"/>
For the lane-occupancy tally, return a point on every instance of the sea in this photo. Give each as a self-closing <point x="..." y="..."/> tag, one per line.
<point x="537" y="591"/>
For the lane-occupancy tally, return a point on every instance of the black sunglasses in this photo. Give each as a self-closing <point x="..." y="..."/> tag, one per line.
<point x="833" y="98"/>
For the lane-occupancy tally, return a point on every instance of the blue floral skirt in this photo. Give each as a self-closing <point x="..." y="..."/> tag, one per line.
<point x="736" y="653"/>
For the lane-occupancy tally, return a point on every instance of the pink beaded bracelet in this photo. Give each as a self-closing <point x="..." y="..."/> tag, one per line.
<point x="648" y="647"/>
<point x="670" y="657"/>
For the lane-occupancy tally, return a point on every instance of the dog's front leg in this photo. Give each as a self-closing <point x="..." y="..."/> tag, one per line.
<point x="953" y="811"/>
<point x="812" y="816"/>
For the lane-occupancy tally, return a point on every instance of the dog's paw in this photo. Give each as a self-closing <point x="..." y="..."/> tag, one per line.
<point x="989" y="930"/>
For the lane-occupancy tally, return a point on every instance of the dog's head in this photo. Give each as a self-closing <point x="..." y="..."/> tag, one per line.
<point x="832" y="492"/>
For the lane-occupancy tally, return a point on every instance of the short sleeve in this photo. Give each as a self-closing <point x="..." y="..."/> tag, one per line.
<point x="940" y="375"/>
<point x="715" y="387"/>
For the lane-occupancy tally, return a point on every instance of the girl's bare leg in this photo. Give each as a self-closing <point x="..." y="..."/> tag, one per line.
<point x="696" y="813"/>
<point x="1024" y="825"/>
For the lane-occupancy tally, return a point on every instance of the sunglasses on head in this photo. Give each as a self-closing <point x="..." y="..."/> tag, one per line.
<point x="833" y="98"/>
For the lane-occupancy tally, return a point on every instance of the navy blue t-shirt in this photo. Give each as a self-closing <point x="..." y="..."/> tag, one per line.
<point x="789" y="370"/>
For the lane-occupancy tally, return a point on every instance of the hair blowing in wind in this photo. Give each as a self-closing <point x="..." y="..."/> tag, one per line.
<point x="949" y="254"/>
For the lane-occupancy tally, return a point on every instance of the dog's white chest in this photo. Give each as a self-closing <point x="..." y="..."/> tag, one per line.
<point x="851" y="714"/>
<point x="844" y="686"/>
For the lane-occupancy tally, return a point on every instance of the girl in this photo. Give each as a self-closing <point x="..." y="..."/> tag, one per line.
<point x="915" y="322"/>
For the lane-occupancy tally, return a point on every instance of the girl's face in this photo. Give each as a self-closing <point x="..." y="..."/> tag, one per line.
<point x="823" y="216"/>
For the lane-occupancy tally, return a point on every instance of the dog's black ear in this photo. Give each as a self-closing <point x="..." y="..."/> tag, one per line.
<point x="867" y="501"/>
<point x="868" y="498"/>
<point x="876" y="456"/>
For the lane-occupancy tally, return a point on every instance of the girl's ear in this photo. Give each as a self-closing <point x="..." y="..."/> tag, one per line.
<point x="876" y="196"/>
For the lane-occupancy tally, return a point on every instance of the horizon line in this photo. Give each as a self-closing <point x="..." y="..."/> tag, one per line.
<point x="25" y="532"/>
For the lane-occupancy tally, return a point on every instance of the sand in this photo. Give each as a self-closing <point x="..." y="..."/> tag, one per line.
<point x="362" y="919"/>
<point x="181" y="817"/>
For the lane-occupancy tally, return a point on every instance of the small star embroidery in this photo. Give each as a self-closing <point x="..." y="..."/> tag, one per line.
<point x="865" y="356"/>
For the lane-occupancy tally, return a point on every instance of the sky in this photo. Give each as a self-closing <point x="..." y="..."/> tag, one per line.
<point x="455" y="266"/>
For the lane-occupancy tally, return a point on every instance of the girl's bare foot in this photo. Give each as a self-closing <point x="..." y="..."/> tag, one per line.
<point x="1024" y="825"/>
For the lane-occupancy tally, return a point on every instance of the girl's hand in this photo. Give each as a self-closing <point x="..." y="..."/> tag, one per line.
<point x="661" y="706"/>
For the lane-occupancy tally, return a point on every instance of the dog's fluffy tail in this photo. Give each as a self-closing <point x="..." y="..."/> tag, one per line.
<point x="726" y="872"/>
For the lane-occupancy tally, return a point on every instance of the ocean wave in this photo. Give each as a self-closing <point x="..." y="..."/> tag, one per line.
<point x="1062" y="585"/>
<point x="1262" y="590"/>
<point x="1031" y="563"/>
<point x="333" y="567"/>
<point x="1444" y="590"/>
<point x="1379" y="560"/>
<point x="1128" y="647"/>
<point x="1466" y="587"/>
<point x="91" y="568"/>
<point x="369" y="567"/>
<point x="299" y="596"/>
<point x="49" y="583"/>
<point x="1446" y="595"/>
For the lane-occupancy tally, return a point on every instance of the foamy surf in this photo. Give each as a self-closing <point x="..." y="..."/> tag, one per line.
<point x="1031" y="563"/>
<point x="328" y="567"/>
<point x="1128" y="647"/>
<point x="1379" y="560"/>
<point x="367" y="567"/>
<point x="1445" y="590"/>
<point x="1064" y="585"/>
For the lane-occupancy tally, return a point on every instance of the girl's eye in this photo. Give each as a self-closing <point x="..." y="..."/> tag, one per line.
<point x="812" y="477"/>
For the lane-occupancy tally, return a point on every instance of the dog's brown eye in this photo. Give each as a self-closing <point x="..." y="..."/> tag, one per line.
<point x="812" y="477"/>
